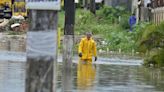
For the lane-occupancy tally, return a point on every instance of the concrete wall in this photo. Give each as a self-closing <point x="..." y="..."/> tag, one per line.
<point x="13" y="43"/>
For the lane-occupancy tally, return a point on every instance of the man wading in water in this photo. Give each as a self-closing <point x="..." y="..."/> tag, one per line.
<point x="87" y="48"/>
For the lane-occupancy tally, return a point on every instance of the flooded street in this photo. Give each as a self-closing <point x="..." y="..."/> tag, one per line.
<point x="38" y="39"/>
<point x="114" y="78"/>
<point x="100" y="77"/>
<point x="12" y="76"/>
<point x="49" y="45"/>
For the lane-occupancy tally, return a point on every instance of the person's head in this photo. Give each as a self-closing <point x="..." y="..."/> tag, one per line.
<point x="133" y="14"/>
<point x="88" y="35"/>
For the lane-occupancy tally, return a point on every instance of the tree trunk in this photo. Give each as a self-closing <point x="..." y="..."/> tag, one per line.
<point x="41" y="51"/>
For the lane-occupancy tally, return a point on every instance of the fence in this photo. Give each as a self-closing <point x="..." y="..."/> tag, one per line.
<point x="158" y="15"/>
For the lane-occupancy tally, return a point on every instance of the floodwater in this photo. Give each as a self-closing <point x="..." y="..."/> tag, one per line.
<point x="106" y="75"/>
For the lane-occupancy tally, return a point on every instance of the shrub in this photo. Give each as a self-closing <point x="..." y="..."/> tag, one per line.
<point x="151" y="42"/>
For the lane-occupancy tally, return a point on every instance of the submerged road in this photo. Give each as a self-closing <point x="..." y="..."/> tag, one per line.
<point x="105" y="75"/>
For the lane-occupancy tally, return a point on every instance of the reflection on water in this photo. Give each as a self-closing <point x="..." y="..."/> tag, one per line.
<point x="112" y="78"/>
<point x="66" y="80"/>
<point x="153" y="76"/>
<point x="88" y="78"/>
<point x="85" y="76"/>
<point x="12" y="76"/>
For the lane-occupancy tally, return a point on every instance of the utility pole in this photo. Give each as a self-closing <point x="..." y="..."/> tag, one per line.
<point x="68" y="32"/>
<point x="85" y="4"/>
<point x="41" y="46"/>
<point x="68" y="44"/>
<point x="93" y="6"/>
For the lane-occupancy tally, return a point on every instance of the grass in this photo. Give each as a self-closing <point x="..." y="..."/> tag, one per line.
<point x="114" y="34"/>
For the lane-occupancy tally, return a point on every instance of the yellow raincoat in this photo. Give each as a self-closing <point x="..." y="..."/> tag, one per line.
<point x="85" y="75"/>
<point x="87" y="48"/>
